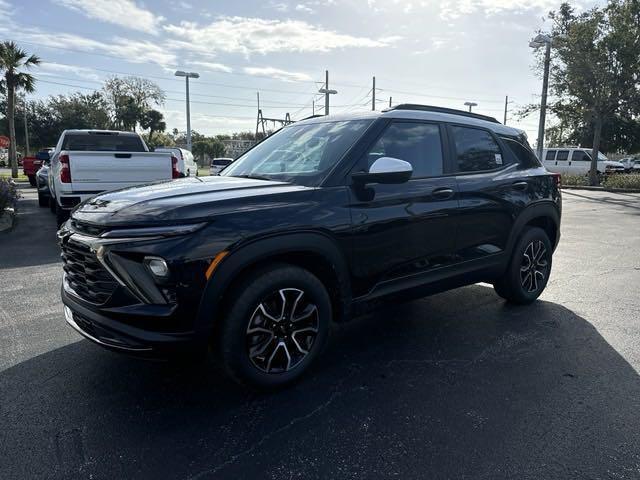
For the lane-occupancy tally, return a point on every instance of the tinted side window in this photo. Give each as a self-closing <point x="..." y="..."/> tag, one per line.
<point x="562" y="155"/>
<point x="551" y="155"/>
<point x="476" y="150"/>
<point x="524" y="155"/>
<point x="416" y="143"/>
<point x="580" y="156"/>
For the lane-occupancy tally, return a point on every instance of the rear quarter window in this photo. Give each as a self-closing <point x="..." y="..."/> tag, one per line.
<point x="523" y="155"/>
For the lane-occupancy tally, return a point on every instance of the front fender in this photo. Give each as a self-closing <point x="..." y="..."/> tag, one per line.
<point x="258" y="250"/>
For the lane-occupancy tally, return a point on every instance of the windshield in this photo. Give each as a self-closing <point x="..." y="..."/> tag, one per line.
<point x="300" y="154"/>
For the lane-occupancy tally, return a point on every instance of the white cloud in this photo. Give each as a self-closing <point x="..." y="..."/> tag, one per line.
<point x="55" y="69"/>
<point x="119" y="12"/>
<point x="279" y="6"/>
<point x="257" y="35"/>
<point x="127" y="49"/>
<point x="211" y="66"/>
<point x="277" y="73"/>
<point x="304" y="8"/>
<point x="450" y="9"/>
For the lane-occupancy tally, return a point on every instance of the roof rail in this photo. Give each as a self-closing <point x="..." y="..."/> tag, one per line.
<point x="431" y="108"/>
<point x="313" y="116"/>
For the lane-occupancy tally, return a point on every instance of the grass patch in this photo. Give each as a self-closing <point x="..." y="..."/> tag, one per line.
<point x="630" y="181"/>
<point x="21" y="177"/>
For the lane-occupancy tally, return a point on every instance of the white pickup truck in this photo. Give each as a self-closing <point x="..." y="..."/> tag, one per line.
<point x="87" y="162"/>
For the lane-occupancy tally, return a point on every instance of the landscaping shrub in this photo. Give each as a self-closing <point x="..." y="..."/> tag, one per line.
<point x="8" y="194"/>
<point x="575" y="180"/>
<point x="631" y="181"/>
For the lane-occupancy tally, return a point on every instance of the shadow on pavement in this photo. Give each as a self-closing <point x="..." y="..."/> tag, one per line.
<point x="633" y="204"/>
<point x="32" y="241"/>
<point x="454" y="386"/>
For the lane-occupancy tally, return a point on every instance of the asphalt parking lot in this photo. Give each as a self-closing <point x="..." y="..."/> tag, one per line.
<point x="458" y="385"/>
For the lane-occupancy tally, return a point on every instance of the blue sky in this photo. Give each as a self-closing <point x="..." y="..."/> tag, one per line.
<point x="433" y="52"/>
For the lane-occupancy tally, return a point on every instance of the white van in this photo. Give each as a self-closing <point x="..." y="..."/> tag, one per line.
<point x="577" y="161"/>
<point x="187" y="165"/>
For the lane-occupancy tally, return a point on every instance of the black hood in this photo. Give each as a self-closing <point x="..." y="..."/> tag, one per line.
<point x="183" y="201"/>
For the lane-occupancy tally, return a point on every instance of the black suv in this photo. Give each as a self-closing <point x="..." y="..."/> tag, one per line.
<point x="308" y="227"/>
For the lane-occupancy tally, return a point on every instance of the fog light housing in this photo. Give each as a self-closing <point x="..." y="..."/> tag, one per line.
<point x="157" y="266"/>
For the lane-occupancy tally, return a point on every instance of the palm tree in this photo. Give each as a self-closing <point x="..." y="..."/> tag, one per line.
<point x="12" y="60"/>
<point x="152" y="120"/>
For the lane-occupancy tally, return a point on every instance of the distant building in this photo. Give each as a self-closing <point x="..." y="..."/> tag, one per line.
<point x="236" y="147"/>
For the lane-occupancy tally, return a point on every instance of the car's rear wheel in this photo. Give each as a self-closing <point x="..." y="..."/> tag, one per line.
<point x="43" y="200"/>
<point x="529" y="268"/>
<point x="276" y="326"/>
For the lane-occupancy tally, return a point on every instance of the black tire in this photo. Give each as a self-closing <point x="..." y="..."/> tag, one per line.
<point x="62" y="215"/>
<point x="32" y="180"/>
<point x="52" y="204"/>
<point x="43" y="200"/>
<point x="524" y="279"/>
<point x="255" y="308"/>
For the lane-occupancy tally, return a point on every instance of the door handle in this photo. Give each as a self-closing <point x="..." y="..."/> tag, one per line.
<point x="442" y="193"/>
<point x="519" y="185"/>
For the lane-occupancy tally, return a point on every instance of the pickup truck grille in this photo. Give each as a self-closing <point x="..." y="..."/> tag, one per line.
<point x="85" y="275"/>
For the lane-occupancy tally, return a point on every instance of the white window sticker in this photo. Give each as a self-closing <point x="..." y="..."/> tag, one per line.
<point x="498" y="159"/>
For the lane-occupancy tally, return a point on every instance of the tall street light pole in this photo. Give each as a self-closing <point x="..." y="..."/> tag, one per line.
<point x="327" y="92"/>
<point x="539" y="42"/>
<point x="471" y="105"/>
<point x="187" y="76"/>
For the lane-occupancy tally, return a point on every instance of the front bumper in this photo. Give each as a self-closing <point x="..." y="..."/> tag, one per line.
<point x="120" y="336"/>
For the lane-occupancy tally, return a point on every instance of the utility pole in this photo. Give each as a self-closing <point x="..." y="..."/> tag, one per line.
<point x="373" y="95"/>
<point x="26" y="129"/>
<point x="313" y="107"/>
<point x="259" y="115"/>
<point x="506" y="105"/>
<point x="390" y="101"/>
<point x="327" y="92"/>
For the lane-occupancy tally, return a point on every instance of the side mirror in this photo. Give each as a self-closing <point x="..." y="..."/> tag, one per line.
<point x="386" y="170"/>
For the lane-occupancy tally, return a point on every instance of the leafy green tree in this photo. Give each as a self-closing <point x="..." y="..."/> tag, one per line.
<point x="153" y="121"/>
<point x="594" y="71"/>
<point x="12" y="60"/>
<point x="79" y="110"/>
<point x="129" y="98"/>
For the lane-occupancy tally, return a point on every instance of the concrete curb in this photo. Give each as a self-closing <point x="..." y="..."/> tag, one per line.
<point x="601" y="189"/>
<point x="7" y="220"/>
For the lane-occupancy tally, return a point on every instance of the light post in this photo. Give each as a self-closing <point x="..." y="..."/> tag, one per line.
<point x="327" y="92"/>
<point x="471" y="105"/>
<point x="187" y="76"/>
<point x="539" y="42"/>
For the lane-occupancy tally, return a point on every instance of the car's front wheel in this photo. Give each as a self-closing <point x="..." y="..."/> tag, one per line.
<point x="275" y="327"/>
<point x="529" y="268"/>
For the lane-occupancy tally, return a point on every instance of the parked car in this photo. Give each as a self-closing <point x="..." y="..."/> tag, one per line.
<point x="87" y="162"/>
<point x="219" y="164"/>
<point x="577" y="161"/>
<point x="187" y="165"/>
<point x="42" y="176"/>
<point x="631" y="164"/>
<point x="30" y="165"/>
<point x="317" y="223"/>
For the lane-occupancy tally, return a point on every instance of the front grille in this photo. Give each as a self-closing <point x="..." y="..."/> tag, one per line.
<point x="86" y="229"/>
<point x="85" y="275"/>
